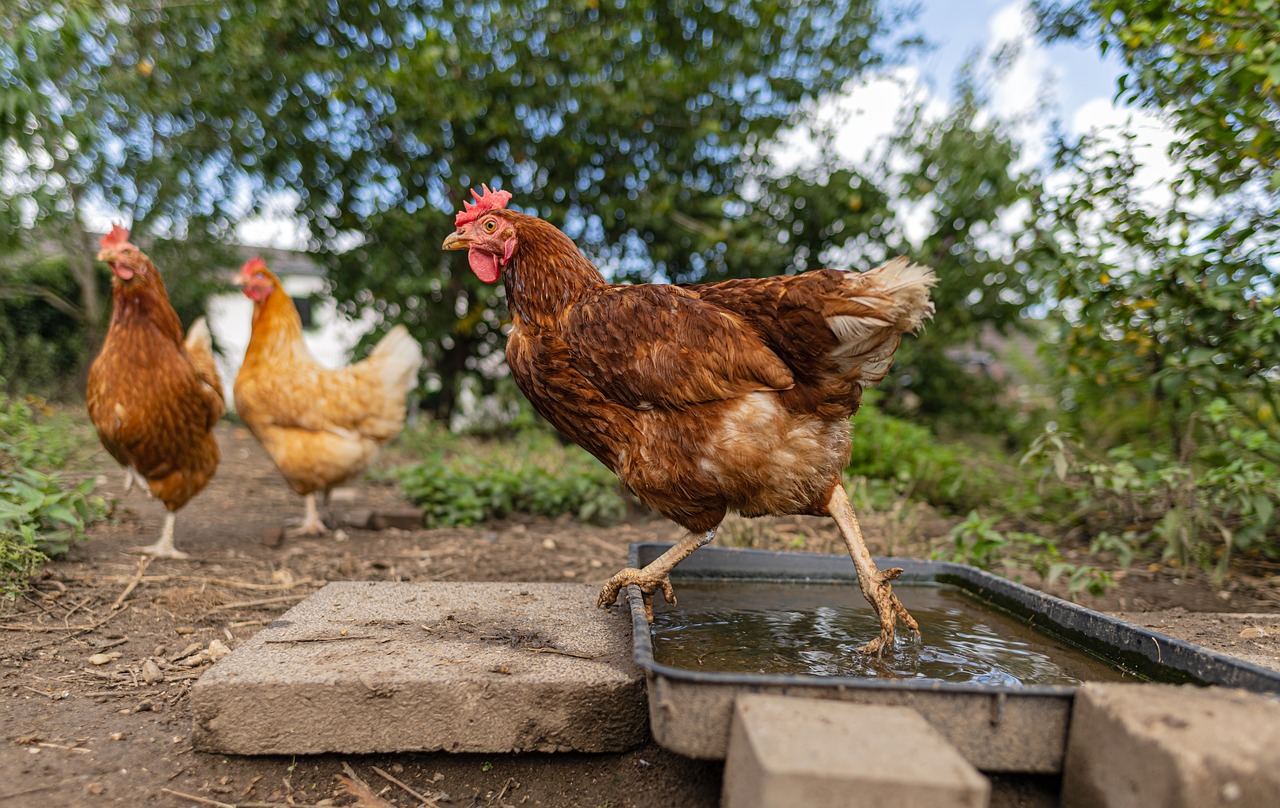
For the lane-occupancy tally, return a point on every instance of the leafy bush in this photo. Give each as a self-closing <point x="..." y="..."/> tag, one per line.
<point x="1198" y="509"/>
<point x="41" y="515"/>
<point x="472" y="480"/>
<point x="976" y="541"/>
<point x="911" y="460"/>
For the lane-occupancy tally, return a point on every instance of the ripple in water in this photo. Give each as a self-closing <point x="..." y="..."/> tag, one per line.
<point x="816" y="629"/>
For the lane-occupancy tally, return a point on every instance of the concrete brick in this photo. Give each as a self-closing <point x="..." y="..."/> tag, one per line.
<point x="1168" y="746"/>
<point x="364" y="667"/>
<point x="786" y="752"/>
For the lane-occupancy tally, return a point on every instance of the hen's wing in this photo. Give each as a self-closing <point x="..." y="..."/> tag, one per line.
<point x="660" y="346"/>
<point x="363" y="400"/>
<point x="830" y="324"/>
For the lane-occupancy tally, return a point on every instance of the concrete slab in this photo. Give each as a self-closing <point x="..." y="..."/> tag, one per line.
<point x="1168" y="746"/>
<point x="364" y="667"/>
<point x="787" y="751"/>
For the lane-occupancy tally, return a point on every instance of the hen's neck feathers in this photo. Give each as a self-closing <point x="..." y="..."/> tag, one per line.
<point x="277" y="330"/>
<point x="145" y="301"/>
<point x="547" y="272"/>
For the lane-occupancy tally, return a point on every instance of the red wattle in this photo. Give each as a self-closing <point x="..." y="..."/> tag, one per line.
<point x="485" y="265"/>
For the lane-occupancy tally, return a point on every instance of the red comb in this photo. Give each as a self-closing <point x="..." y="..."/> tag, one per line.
<point x="253" y="265"/>
<point x="116" y="237"/>
<point x="489" y="200"/>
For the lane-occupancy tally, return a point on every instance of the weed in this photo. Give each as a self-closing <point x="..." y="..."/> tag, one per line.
<point x="471" y="481"/>
<point x="976" y="541"/>
<point x="41" y="515"/>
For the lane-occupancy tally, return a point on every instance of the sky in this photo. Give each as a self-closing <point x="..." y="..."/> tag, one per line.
<point x="960" y="28"/>
<point x="1069" y="84"/>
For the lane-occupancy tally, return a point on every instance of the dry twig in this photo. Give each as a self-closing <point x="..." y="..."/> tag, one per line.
<point x="334" y="638"/>
<point x="573" y="654"/>
<point x="249" y="604"/>
<point x="143" y="563"/>
<point x="201" y="800"/>
<point x="425" y="800"/>
<point x="365" y="798"/>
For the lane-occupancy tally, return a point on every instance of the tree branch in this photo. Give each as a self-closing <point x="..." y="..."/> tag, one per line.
<point x="48" y="295"/>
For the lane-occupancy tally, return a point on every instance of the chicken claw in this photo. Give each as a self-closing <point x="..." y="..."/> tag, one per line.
<point x="648" y="583"/>
<point x="888" y="609"/>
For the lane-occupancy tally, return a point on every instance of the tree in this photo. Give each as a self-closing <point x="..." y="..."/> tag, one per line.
<point x="961" y="170"/>
<point x="1172" y="301"/>
<point x="1213" y="64"/>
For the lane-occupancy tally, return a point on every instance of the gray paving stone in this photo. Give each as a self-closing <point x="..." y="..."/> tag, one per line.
<point x="786" y="752"/>
<point x="365" y="667"/>
<point x="1168" y="746"/>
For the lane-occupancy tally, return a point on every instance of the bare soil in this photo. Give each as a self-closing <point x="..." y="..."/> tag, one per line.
<point x="96" y="662"/>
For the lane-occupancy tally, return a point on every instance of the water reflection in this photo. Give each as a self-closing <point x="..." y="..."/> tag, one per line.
<point x="816" y="629"/>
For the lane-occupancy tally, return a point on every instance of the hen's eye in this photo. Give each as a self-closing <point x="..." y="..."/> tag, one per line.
<point x="490" y="226"/>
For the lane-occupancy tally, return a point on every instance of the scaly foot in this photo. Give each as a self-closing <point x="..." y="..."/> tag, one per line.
<point x="888" y="608"/>
<point x="161" y="549"/>
<point x="307" y="529"/>
<point x="648" y="584"/>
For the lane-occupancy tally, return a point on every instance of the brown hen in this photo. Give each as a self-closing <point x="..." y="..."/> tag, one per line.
<point x="153" y="397"/>
<point x="703" y="398"/>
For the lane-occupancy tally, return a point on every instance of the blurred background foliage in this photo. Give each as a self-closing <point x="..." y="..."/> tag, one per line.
<point x="1125" y="347"/>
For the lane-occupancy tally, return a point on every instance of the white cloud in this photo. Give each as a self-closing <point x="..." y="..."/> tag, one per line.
<point x="1020" y="82"/>
<point x="1152" y="135"/>
<point x="858" y="120"/>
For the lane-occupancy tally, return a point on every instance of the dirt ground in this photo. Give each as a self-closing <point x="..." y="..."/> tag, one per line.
<point x="96" y="662"/>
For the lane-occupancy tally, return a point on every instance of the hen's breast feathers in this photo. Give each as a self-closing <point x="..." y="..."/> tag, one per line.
<point x="154" y="409"/>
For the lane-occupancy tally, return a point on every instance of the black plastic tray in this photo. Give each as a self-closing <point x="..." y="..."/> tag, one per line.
<point x="999" y="728"/>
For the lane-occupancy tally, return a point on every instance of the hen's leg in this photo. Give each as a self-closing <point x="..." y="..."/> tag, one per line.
<point x="654" y="575"/>
<point x="873" y="582"/>
<point x="329" y="521"/>
<point x="164" y="547"/>
<point x="311" y="524"/>
<point x="132" y="478"/>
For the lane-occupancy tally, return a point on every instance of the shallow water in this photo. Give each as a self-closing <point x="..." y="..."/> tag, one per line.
<point x="817" y="628"/>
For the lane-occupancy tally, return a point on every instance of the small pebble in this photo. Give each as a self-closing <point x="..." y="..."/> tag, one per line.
<point x="94" y="788"/>
<point x="217" y="650"/>
<point x="549" y="543"/>
<point x="151" y="672"/>
<point x="1252" y="633"/>
<point x="100" y="659"/>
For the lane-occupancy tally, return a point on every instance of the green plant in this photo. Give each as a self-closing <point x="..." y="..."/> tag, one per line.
<point x="910" y="460"/>
<point x="531" y="473"/>
<point x="1199" y="508"/>
<point x="41" y="515"/>
<point x="977" y="541"/>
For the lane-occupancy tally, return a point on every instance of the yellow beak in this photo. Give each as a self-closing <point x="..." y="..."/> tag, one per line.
<point x="456" y="241"/>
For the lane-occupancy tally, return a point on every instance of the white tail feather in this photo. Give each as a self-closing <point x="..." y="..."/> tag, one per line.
<point x="401" y="356"/>
<point x="198" y="335"/>
<point x="867" y="342"/>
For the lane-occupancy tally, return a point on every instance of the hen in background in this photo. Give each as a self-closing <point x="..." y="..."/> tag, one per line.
<point x="703" y="398"/>
<point x="153" y="397"/>
<point x="320" y="426"/>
